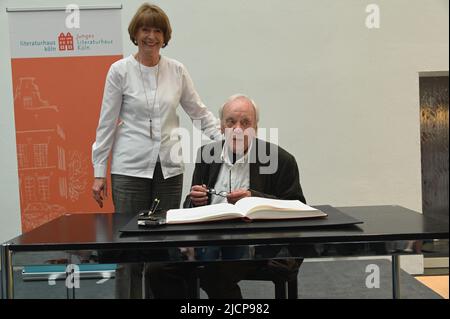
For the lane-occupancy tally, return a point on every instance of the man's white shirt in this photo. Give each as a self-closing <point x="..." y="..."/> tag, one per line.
<point x="239" y="173"/>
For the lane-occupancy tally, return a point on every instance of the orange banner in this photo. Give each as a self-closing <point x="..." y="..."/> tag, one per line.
<point x="57" y="104"/>
<point x="59" y="68"/>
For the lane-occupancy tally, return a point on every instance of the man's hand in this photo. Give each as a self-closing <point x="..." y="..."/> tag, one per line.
<point x="199" y="195"/>
<point x="236" y="195"/>
<point x="99" y="190"/>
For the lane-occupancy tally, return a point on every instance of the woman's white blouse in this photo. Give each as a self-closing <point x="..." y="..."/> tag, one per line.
<point x="124" y="124"/>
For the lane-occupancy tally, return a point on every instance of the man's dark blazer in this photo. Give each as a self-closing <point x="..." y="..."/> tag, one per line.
<point x="284" y="183"/>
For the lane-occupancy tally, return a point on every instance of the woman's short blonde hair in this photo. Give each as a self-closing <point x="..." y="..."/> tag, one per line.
<point x="150" y="15"/>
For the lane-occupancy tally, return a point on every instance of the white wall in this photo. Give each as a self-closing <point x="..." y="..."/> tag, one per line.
<point x="345" y="98"/>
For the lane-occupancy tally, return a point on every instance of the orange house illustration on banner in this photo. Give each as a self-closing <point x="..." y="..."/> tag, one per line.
<point x="65" y="42"/>
<point x="41" y="157"/>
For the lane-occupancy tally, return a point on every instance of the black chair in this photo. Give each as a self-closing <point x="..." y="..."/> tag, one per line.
<point x="285" y="286"/>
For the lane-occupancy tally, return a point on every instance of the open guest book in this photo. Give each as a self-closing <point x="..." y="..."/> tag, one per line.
<point x="248" y="208"/>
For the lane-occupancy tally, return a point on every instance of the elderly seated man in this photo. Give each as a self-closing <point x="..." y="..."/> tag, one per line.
<point x="242" y="166"/>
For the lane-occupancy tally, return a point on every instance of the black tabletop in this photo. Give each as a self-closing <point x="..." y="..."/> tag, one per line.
<point x="102" y="231"/>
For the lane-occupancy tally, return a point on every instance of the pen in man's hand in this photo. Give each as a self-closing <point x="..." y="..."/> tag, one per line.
<point x="151" y="208"/>
<point x="156" y="206"/>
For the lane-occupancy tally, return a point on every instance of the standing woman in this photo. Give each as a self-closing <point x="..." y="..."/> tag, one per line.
<point x="138" y="115"/>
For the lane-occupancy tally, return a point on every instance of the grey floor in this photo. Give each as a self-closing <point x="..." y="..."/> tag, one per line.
<point x="342" y="279"/>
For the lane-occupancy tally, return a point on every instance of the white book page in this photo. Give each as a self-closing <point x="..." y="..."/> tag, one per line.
<point x="285" y="214"/>
<point x="249" y="204"/>
<point x="203" y="213"/>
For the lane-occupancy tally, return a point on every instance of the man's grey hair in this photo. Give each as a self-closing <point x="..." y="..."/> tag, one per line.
<point x="235" y="97"/>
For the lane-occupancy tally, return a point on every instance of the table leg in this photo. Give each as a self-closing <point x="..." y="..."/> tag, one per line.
<point x="70" y="279"/>
<point x="67" y="286"/>
<point x="7" y="273"/>
<point x="395" y="276"/>
<point x="2" y="269"/>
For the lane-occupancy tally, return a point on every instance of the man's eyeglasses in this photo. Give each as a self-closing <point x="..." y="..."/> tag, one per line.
<point x="212" y="191"/>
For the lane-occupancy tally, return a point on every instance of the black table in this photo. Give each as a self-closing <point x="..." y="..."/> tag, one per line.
<point x="384" y="232"/>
